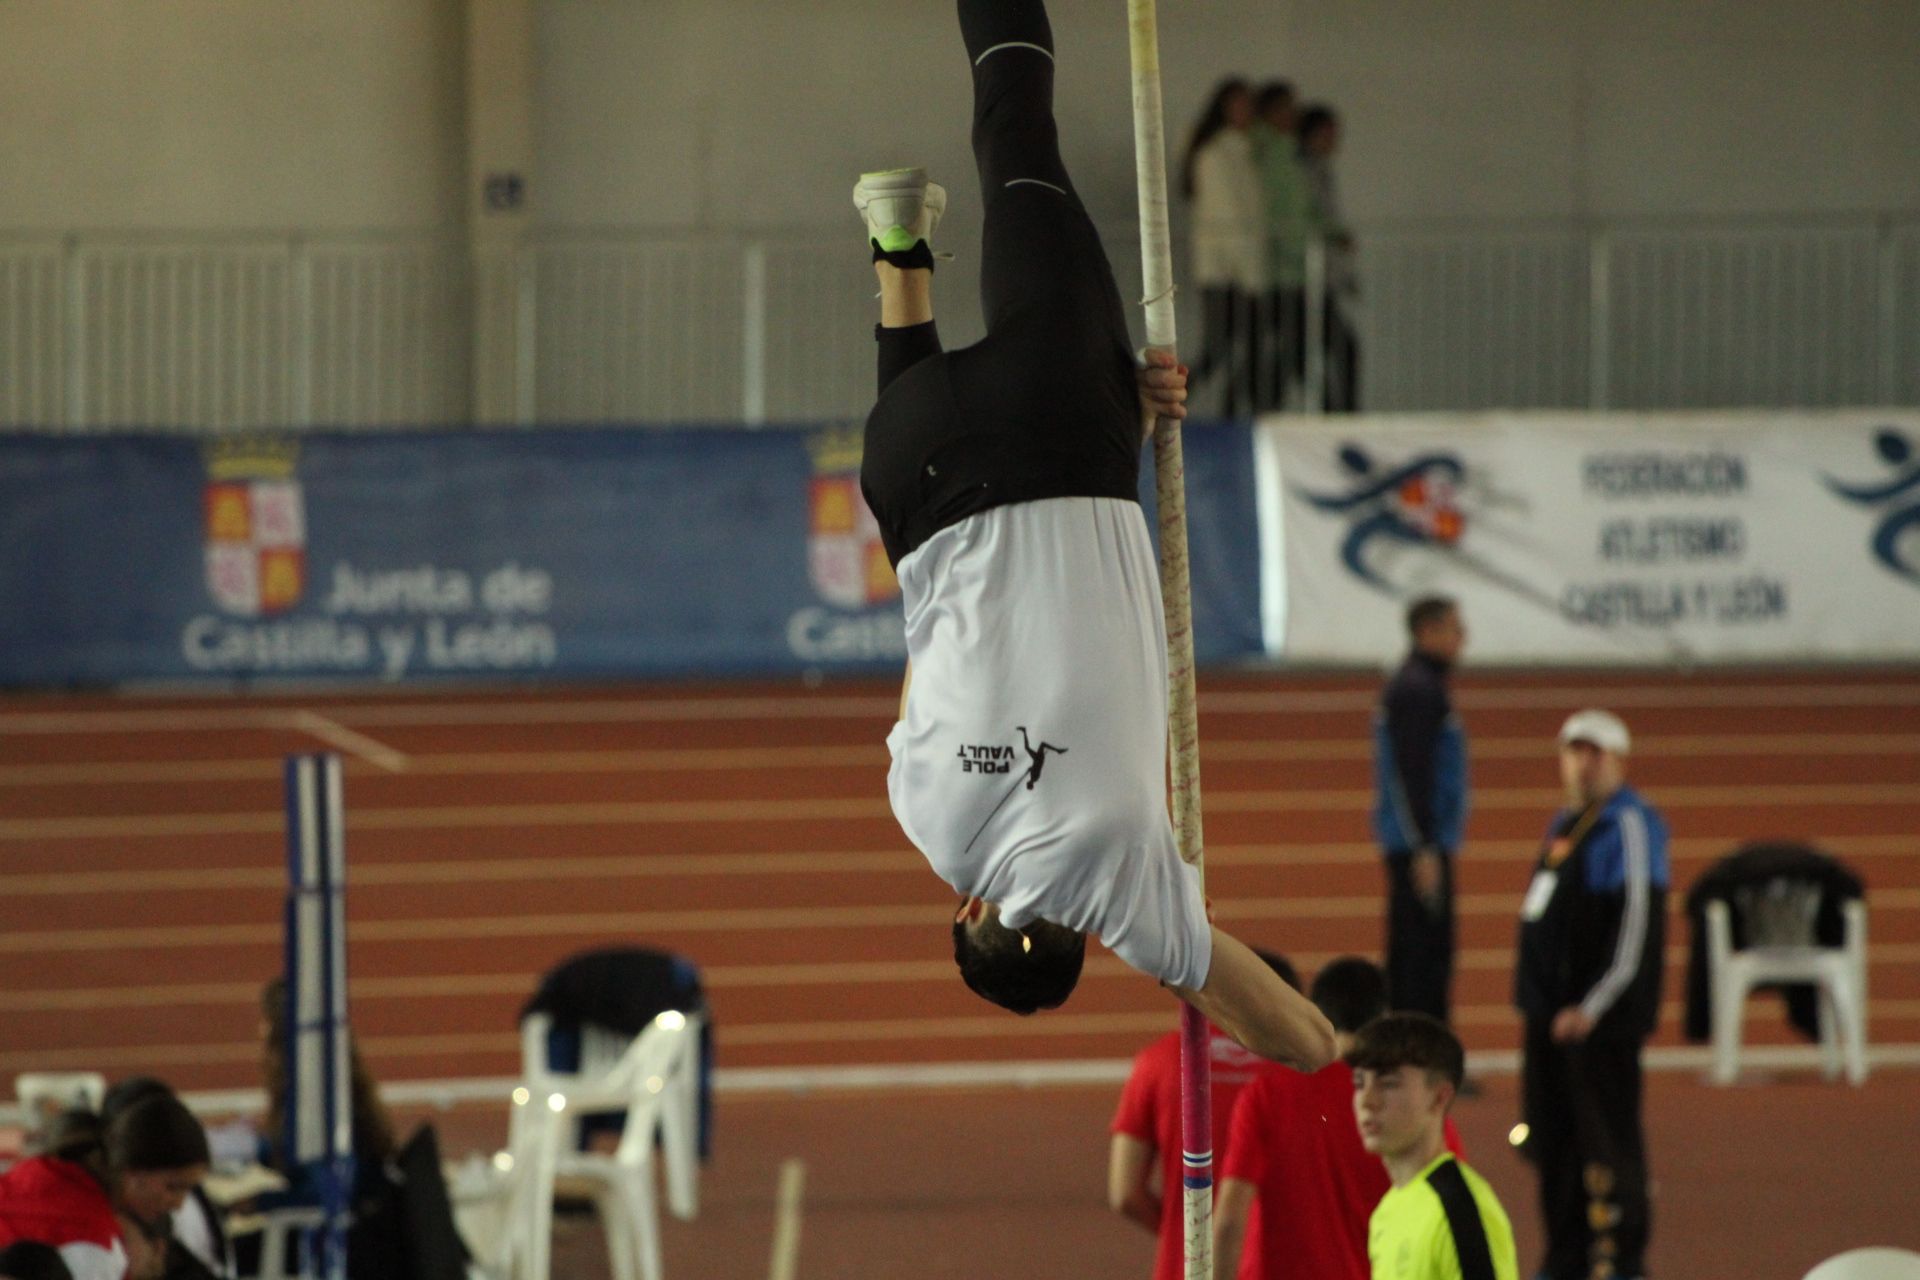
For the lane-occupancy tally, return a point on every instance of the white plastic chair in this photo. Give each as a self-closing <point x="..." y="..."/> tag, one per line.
<point x="1869" y="1264"/>
<point x="1779" y="918"/>
<point x="283" y="1241"/>
<point x="44" y="1095"/>
<point x="504" y="1209"/>
<point x="652" y="1079"/>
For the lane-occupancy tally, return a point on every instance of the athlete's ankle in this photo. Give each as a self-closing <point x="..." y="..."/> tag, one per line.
<point x="906" y="295"/>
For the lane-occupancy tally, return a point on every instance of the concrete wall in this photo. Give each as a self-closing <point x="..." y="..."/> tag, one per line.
<point x="1498" y="108"/>
<point x="220" y="114"/>
<point x="229" y="114"/>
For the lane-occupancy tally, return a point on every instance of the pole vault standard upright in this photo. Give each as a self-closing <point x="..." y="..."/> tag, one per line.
<point x="1156" y="269"/>
<point x="319" y="1109"/>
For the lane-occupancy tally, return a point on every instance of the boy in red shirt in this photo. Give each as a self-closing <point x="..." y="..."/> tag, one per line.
<point x="1297" y="1187"/>
<point x="1147" y="1125"/>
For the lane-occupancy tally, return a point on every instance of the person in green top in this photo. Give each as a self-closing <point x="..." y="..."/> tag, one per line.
<point x="1440" y="1220"/>
<point x="1287" y="197"/>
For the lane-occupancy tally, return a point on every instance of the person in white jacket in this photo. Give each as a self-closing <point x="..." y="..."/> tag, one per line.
<point x="1221" y="178"/>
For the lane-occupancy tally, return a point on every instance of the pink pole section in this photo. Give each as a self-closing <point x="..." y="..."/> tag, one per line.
<point x="1196" y="1140"/>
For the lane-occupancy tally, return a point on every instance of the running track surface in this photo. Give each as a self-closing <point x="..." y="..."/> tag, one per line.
<point x="963" y="1183"/>
<point x="746" y="825"/>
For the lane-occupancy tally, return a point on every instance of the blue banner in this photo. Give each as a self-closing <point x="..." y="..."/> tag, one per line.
<point x="442" y="555"/>
<point x="1223" y="525"/>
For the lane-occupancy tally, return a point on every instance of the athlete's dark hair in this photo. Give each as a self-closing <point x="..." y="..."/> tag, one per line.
<point x="1022" y="970"/>
<point x="1352" y="992"/>
<point x="1280" y="965"/>
<point x="31" y="1260"/>
<point x="1427" y="610"/>
<point x="1212" y="121"/>
<point x="1409" y="1040"/>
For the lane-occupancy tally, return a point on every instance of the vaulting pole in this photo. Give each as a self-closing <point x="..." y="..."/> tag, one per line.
<point x="1156" y="264"/>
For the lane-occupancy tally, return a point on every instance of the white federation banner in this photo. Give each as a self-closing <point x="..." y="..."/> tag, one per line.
<point x="1596" y="538"/>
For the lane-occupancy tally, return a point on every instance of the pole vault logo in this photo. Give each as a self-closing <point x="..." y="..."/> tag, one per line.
<point x="846" y="561"/>
<point x="1896" y="539"/>
<point x="1414" y="503"/>
<point x="256" y="527"/>
<point x="1038" y="755"/>
<point x="994" y="758"/>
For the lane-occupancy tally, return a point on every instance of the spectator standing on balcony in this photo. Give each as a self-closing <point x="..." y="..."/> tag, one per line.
<point x="1288" y="201"/>
<point x="1222" y="180"/>
<point x="1319" y="142"/>
<point x="1420" y="806"/>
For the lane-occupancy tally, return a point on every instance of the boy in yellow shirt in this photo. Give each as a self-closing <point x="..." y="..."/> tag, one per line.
<point x="1440" y="1220"/>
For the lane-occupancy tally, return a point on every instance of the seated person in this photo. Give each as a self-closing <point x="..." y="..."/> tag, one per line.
<point x="402" y="1227"/>
<point x="104" y="1194"/>
<point x="374" y="1248"/>
<point x="373" y="1135"/>
<point x="197" y="1236"/>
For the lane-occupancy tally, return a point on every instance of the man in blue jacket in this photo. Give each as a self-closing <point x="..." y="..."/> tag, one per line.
<point x="1587" y="981"/>
<point x="1420" y="806"/>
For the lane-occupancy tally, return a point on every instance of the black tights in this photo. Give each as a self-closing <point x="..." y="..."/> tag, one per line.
<point x="1046" y="404"/>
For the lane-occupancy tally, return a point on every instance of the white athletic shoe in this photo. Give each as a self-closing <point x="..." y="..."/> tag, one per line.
<point x="901" y="208"/>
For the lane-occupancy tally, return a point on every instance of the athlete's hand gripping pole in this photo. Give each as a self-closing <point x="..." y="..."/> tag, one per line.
<point x="1156" y="264"/>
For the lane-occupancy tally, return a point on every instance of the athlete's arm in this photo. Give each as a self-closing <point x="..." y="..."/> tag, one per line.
<point x="1246" y="999"/>
<point x="906" y="683"/>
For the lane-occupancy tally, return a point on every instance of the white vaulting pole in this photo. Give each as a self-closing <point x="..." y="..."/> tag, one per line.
<point x="1183" y="736"/>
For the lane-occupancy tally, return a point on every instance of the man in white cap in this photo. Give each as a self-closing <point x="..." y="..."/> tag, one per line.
<point x="1587" y="981"/>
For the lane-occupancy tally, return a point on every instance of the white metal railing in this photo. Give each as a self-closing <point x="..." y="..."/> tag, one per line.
<point x="222" y="333"/>
<point x="1672" y="315"/>
<point x="1464" y="322"/>
<point x="32" y="327"/>
<point x="218" y="333"/>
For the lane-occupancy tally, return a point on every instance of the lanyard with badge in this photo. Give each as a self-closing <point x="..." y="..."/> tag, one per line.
<point x="1546" y="878"/>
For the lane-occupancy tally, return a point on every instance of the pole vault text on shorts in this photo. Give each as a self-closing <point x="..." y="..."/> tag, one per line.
<point x="992" y="758"/>
<point x="985" y="759"/>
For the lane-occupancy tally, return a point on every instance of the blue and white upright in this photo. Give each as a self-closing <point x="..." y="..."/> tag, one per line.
<point x="319" y="1116"/>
